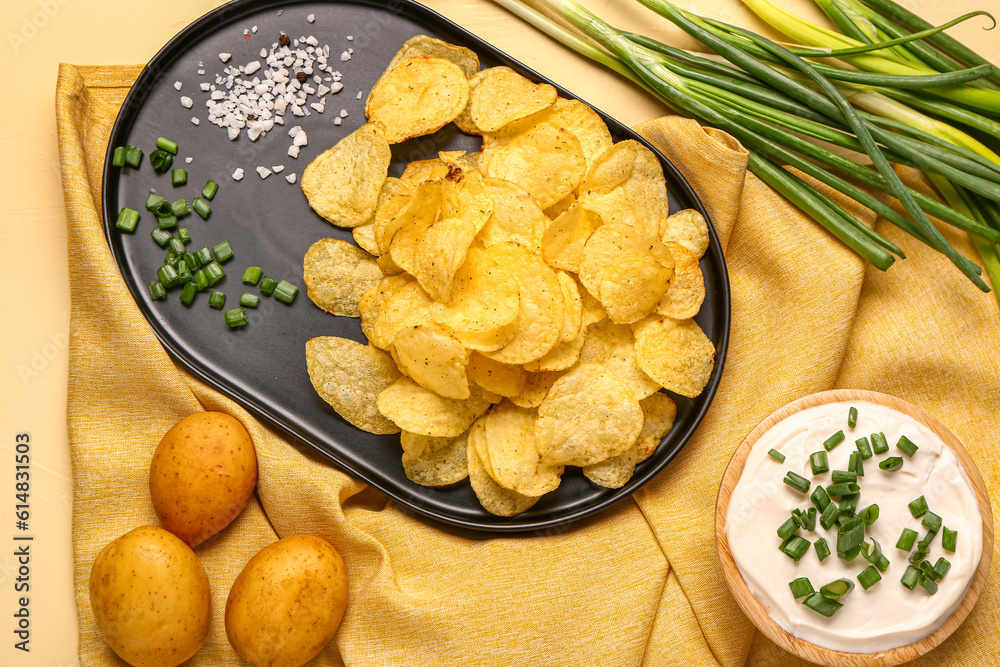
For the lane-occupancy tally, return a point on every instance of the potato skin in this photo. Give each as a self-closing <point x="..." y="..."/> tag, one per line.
<point x="151" y="598"/>
<point x="287" y="603"/>
<point x="202" y="475"/>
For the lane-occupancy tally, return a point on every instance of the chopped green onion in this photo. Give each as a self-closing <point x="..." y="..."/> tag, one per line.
<point x="200" y="280"/>
<point x="822" y="549"/>
<point x="268" y="285"/>
<point x="177" y="246"/>
<point x="879" y="444"/>
<point x="822" y="604"/>
<point x="222" y="251"/>
<point x="840" y="476"/>
<point x="928" y="583"/>
<point x="906" y="539"/>
<point x="871" y="553"/>
<point x="217" y="300"/>
<point x="154" y="202"/>
<point x="208" y="192"/>
<point x="161" y="160"/>
<point x="819" y="462"/>
<point x="237" y="317"/>
<point x="183" y="272"/>
<point x="118" y="159"/>
<point x="133" y="156"/>
<point x="869" y="514"/>
<point x="792" y="479"/>
<point x="285" y="291"/>
<point x="156" y="290"/>
<point x="906" y="446"/>
<point x="828" y="516"/>
<point x="868" y="577"/>
<point x="810" y="522"/>
<point x="248" y="300"/>
<point x="178" y="177"/>
<point x="801" y="587"/>
<point x="928" y="570"/>
<point x="856" y="464"/>
<point x="184" y="235"/>
<point x="833" y="440"/>
<point x="166" y="221"/>
<point x="214" y="273"/>
<point x="917" y="556"/>
<point x="891" y="464"/>
<point x="918" y="507"/>
<point x="843" y="489"/>
<point x="931" y="521"/>
<point x="948" y="539"/>
<point x="167" y="145"/>
<point x="863" y="448"/>
<point x="795" y="547"/>
<point x="171" y="258"/>
<point x="820" y="498"/>
<point x="773" y="453"/>
<point x="852" y="417"/>
<point x="168" y="276"/>
<point x="204" y="255"/>
<point x="849" y="503"/>
<point x="180" y="208"/>
<point x="127" y="220"/>
<point x="850" y="534"/>
<point x="788" y="528"/>
<point x="798" y="516"/>
<point x="836" y="589"/>
<point x="201" y="207"/>
<point x="942" y="566"/>
<point x="161" y="236"/>
<point x="910" y="577"/>
<point x="252" y="275"/>
<point x="187" y="294"/>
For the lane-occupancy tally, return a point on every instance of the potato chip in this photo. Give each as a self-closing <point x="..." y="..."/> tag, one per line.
<point x="585" y="124"/>
<point x="387" y="266"/>
<point x="464" y="119"/>
<point x="659" y="412"/>
<point x="516" y="217"/>
<point x="675" y="353"/>
<point x="587" y="416"/>
<point x="559" y="358"/>
<point x="373" y="301"/>
<point x="612" y="244"/>
<point x="392" y="197"/>
<point x="563" y="241"/>
<point x="625" y="184"/>
<point x="419" y="96"/>
<point x="688" y="227"/>
<point x="613" y="346"/>
<point x="512" y="456"/>
<point x="439" y="252"/>
<point x="421" y="411"/>
<point x="418" y="171"/>
<point x="342" y="184"/>
<point x="686" y="293"/>
<point x="572" y="308"/>
<point x="350" y="376"/>
<point x="424" y="45"/>
<point x="536" y="388"/>
<point x="364" y="236"/>
<point x="407" y="306"/>
<point x="561" y="206"/>
<point x="593" y="311"/>
<point x="544" y="160"/>
<point x="435" y="461"/>
<point x="613" y="472"/>
<point x="433" y="359"/>
<point x="484" y="305"/>
<point x="502" y="96"/>
<point x="494" y="498"/>
<point x="631" y="288"/>
<point x="501" y="379"/>
<point x="337" y="274"/>
<point x="399" y="210"/>
<point x="540" y="312"/>
<point x="466" y="195"/>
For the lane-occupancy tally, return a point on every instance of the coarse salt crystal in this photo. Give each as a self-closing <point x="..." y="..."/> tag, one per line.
<point x="188" y="160"/>
<point x="205" y="87"/>
<point x="338" y="120"/>
<point x="290" y="178"/>
<point x="358" y="96"/>
<point x="311" y="18"/>
<point x="238" y="174"/>
<point x="177" y="85"/>
<point x="224" y="57"/>
<point x="345" y="56"/>
<point x="343" y="113"/>
<point x="336" y="87"/>
<point x="278" y="168"/>
<point x="318" y="107"/>
<point x="233" y="133"/>
<point x="263" y="53"/>
<point x="292" y="131"/>
<point x="300" y="139"/>
<point x="194" y="119"/>
<point x="186" y="102"/>
<point x="202" y="72"/>
<point x="252" y="67"/>
<point x="293" y="151"/>
<point x="263" y="171"/>
<point x="350" y="38"/>
<point x="254" y="30"/>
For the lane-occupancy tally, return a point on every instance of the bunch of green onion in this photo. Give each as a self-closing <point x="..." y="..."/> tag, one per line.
<point x="902" y="91"/>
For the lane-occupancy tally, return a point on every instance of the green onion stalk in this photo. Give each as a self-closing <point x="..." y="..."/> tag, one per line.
<point x="897" y="106"/>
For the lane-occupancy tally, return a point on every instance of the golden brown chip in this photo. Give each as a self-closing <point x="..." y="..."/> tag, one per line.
<point x="613" y="346"/>
<point x="540" y="312"/>
<point x="593" y="311"/>
<point x="419" y="96"/>
<point x="424" y="45"/>
<point x="544" y="160"/>
<point x="342" y="184"/>
<point x="440" y="251"/>
<point x="502" y="96"/>
<point x="613" y="472"/>
<point x="407" y="306"/>
<point x="688" y="227"/>
<point x="364" y="236"/>
<point x="484" y="305"/>
<point x="563" y="241"/>
<point x="401" y="210"/>
<point x="516" y="216"/>
<point x="337" y="274"/>
<point x="350" y="376"/>
<point x="614" y="243"/>
<point x="588" y="415"/>
<point x="501" y="379"/>
<point x="392" y="197"/>
<point x="512" y="456"/>
<point x="373" y="301"/>
<point x="634" y="286"/>
<point x="494" y="498"/>
<point x="387" y="266"/>
<point x="686" y="293"/>
<point x="421" y="411"/>
<point x="536" y="388"/>
<point x="625" y="184"/>
<point x="585" y="124"/>
<point x="559" y="358"/>
<point x="561" y="206"/>
<point x="659" y="412"/>
<point x="433" y="359"/>
<point x="435" y="461"/>
<point x="573" y="308"/>
<point x="418" y="171"/>
<point x="675" y="353"/>
<point x="464" y="119"/>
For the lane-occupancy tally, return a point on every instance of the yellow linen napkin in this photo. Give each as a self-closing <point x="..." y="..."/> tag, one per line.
<point x="637" y="585"/>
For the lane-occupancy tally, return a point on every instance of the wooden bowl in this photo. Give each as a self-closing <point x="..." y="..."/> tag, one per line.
<point x="756" y="612"/>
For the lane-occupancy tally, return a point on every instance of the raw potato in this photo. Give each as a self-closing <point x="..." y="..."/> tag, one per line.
<point x="150" y="598"/>
<point x="203" y="473"/>
<point x="287" y="603"/>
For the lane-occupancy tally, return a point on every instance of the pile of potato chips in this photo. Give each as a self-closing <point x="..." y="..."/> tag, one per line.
<point x="523" y="305"/>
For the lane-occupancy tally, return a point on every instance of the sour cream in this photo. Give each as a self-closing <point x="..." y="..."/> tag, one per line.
<point x="887" y="615"/>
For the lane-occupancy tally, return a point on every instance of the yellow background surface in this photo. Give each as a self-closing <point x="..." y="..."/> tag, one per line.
<point x="35" y="35"/>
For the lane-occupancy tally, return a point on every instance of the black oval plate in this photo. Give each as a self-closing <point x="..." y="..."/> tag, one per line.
<point x="269" y="224"/>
